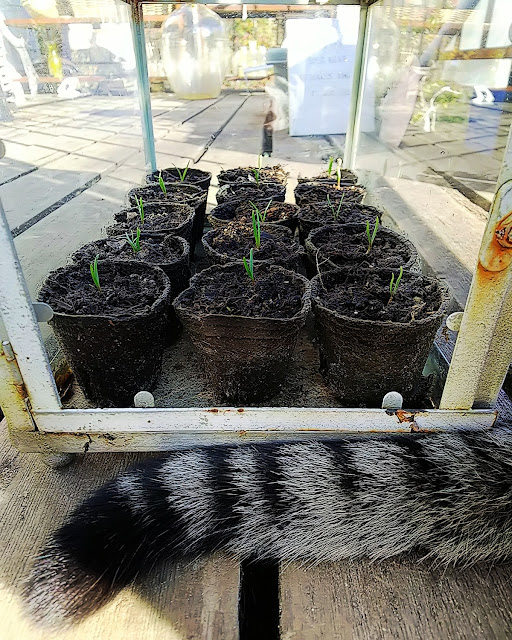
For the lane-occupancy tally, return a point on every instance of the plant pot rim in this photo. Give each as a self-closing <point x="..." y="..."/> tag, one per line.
<point x="154" y="309"/>
<point x="298" y="253"/>
<point x="302" y="312"/>
<point x="316" y="303"/>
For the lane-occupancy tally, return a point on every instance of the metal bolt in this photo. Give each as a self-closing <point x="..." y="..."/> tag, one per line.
<point x="392" y="400"/>
<point x="144" y="400"/>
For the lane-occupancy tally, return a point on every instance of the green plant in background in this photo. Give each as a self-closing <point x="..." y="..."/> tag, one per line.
<point x="249" y="265"/>
<point x="140" y="205"/>
<point x="94" y="273"/>
<point x="162" y="184"/>
<point x="336" y="212"/>
<point x="256" y="228"/>
<point x="329" y="168"/>
<point x="134" y="241"/>
<point x="261" y="216"/>
<point x="371" y="234"/>
<point x="182" y="174"/>
<point x="393" y="285"/>
<point x="338" y="173"/>
<point x="257" y="171"/>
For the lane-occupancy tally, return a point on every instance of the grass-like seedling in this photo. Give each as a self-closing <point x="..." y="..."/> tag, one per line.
<point x="393" y="285"/>
<point x="162" y="184"/>
<point x="183" y="174"/>
<point x="336" y="212"/>
<point x="256" y="228"/>
<point x="371" y="234"/>
<point x="257" y="172"/>
<point x="140" y="205"/>
<point x="329" y="167"/>
<point x="134" y="241"/>
<point x="338" y="173"/>
<point x="261" y="215"/>
<point x="94" y="273"/>
<point x="249" y="265"/>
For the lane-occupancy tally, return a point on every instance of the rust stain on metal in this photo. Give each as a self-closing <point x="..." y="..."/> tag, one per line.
<point x="503" y="232"/>
<point x="240" y="410"/>
<point x="212" y="410"/>
<point x="404" y="416"/>
<point x="242" y="433"/>
<point x="496" y="254"/>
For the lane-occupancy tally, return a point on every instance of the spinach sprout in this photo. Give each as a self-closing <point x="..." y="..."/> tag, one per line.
<point x="257" y="211"/>
<point x="336" y="213"/>
<point x="182" y="174"/>
<point x="249" y="265"/>
<point x="371" y="235"/>
<point x="94" y="273"/>
<point x="134" y="241"/>
<point x="329" y="168"/>
<point x="338" y="172"/>
<point x="256" y="228"/>
<point x="140" y="205"/>
<point x="393" y="285"/>
<point x="162" y="184"/>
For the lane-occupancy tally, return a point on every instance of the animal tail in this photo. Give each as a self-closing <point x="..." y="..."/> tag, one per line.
<point x="348" y="497"/>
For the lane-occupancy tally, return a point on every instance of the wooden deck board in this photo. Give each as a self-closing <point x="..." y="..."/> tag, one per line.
<point x="177" y="602"/>
<point x="394" y="600"/>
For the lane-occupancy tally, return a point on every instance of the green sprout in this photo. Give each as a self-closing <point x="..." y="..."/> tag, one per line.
<point x="371" y="235"/>
<point x="256" y="228"/>
<point x="249" y="265"/>
<point x="94" y="273"/>
<point x="261" y="216"/>
<point x="336" y="212"/>
<point x="182" y="174"/>
<point x="338" y="172"/>
<point x="140" y="205"/>
<point x="134" y="241"/>
<point x="329" y="168"/>
<point x="393" y="285"/>
<point x="162" y="183"/>
<point x="256" y="173"/>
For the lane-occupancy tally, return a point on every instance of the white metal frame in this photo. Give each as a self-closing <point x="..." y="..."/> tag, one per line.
<point x="37" y="421"/>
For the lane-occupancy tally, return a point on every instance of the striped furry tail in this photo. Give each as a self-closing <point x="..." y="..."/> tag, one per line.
<point x="351" y="497"/>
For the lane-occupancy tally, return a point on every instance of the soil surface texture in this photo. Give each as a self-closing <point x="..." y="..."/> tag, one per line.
<point x="152" y="250"/>
<point x="348" y="245"/>
<point x="348" y="212"/>
<point x="238" y="241"/>
<point x="366" y="295"/>
<point x="242" y="174"/>
<point x="275" y="212"/>
<point x="71" y="290"/>
<point x="232" y="293"/>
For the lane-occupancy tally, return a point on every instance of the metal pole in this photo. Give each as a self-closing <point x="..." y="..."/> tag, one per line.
<point x="139" y="46"/>
<point x="483" y="351"/>
<point x="356" y="96"/>
<point x="22" y="328"/>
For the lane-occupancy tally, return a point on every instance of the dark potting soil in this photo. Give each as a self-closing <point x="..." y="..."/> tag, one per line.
<point x="347" y="177"/>
<point x="307" y="193"/>
<point x="366" y="295"/>
<point x="152" y="250"/>
<point x="276" y="212"/>
<point x="348" y="245"/>
<point x="72" y="291"/>
<point x="172" y="175"/>
<point x="232" y="293"/>
<point x="237" y="241"/>
<point x="156" y="216"/>
<point x="247" y="192"/>
<point x="242" y="174"/>
<point x="349" y="212"/>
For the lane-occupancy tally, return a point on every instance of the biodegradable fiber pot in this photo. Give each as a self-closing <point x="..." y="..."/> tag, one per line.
<point x="368" y="345"/>
<point x="170" y="253"/>
<point x="234" y="242"/>
<point x="113" y="339"/>
<point x="175" y="219"/>
<point x="224" y="213"/>
<point x="197" y="177"/>
<point x="318" y="214"/>
<point x="178" y="193"/>
<point x="277" y="213"/>
<point x="346" y="245"/>
<point x="245" y="331"/>
<point x="309" y="192"/>
<point x="246" y="191"/>
<point x="275" y="174"/>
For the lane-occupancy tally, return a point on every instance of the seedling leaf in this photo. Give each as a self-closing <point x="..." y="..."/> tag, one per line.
<point x="393" y="285"/>
<point x="94" y="273"/>
<point x="134" y="241"/>
<point x="371" y="235"/>
<point x="162" y="184"/>
<point x="249" y="265"/>
<point x="329" y="168"/>
<point x="141" y="210"/>
<point x="336" y="213"/>
<point x="183" y="174"/>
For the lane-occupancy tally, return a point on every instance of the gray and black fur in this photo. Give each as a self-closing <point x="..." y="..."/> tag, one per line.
<point x="350" y="497"/>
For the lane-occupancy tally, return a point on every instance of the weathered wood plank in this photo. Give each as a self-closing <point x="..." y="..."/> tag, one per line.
<point x="394" y="600"/>
<point x="187" y="600"/>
